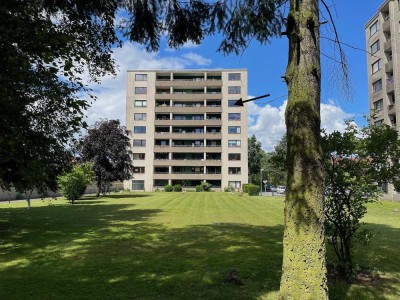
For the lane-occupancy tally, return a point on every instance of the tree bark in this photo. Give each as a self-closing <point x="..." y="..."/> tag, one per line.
<point x="304" y="269"/>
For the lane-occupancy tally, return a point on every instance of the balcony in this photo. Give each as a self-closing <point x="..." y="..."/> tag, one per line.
<point x="386" y="24"/>
<point x="389" y="66"/>
<point x="389" y="85"/>
<point x="188" y="83"/>
<point x="388" y="45"/>
<point x="391" y="109"/>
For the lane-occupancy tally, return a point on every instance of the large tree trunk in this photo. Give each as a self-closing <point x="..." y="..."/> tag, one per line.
<point x="304" y="269"/>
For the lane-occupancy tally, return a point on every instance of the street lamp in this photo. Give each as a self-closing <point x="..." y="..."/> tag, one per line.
<point x="261" y="181"/>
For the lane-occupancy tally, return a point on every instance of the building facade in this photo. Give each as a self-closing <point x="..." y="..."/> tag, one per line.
<point x="382" y="33"/>
<point x="383" y="44"/>
<point x="185" y="128"/>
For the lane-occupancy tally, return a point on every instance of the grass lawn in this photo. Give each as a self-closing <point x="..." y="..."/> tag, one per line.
<point x="169" y="246"/>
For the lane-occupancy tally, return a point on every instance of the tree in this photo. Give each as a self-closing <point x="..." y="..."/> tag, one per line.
<point x="239" y="22"/>
<point x="275" y="163"/>
<point x="42" y="82"/>
<point x="254" y="156"/>
<point x="74" y="183"/>
<point x="355" y="162"/>
<point x="107" y="146"/>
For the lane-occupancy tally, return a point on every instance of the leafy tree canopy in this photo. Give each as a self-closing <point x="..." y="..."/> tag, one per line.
<point x="48" y="48"/>
<point x="107" y="146"/>
<point x="356" y="161"/>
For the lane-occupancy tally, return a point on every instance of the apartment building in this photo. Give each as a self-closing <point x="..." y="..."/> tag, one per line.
<point x="382" y="33"/>
<point x="383" y="44"/>
<point x="185" y="128"/>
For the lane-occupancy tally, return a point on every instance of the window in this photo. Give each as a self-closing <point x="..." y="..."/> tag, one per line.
<point x="234" y="143"/>
<point x="140" y="90"/>
<point x="138" y="185"/>
<point x="378" y="105"/>
<point x="138" y="170"/>
<point x="231" y="103"/>
<point x="234" y="170"/>
<point x="139" y="143"/>
<point x="377" y="86"/>
<point x="139" y="129"/>
<point x="376" y="66"/>
<point x="140" y="116"/>
<point x="379" y="122"/>
<point x="233" y="89"/>
<point x="234" y="156"/>
<point x="375" y="47"/>
<point x="138" y="156"/>
<point x="374" y="28"/>
<point x="234" y="116"/>
<point x="141" y="77"/>
<point x="140" y="103"/>
<point x="234" y="76"/>
<point x="235" y="184"/>
<point x="233" y="129"/>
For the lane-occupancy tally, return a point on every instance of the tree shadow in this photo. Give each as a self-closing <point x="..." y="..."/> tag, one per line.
<point x="109" y="251"/>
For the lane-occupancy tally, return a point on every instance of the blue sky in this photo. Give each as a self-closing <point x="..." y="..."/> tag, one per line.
<point x="266" y="64"/>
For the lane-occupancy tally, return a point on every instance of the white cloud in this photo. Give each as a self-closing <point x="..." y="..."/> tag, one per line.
<point x="111" y="93"/>
<point x="268" y="123"/>
<point x="198" y="59"/>
<point x="187" y="45"/>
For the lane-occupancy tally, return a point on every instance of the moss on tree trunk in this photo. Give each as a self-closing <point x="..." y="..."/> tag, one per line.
<point x="304" y="269"/>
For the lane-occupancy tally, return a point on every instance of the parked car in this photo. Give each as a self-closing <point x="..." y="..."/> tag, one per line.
<point x="281" y="189"/>
<point x="273" y="188"/>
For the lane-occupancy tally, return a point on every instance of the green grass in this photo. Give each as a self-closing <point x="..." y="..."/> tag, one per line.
<point x="168" y="246"/>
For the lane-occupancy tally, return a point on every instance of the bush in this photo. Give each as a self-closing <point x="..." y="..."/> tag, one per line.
<point x="168" y="188"/>
<point x="229" y="188"/>
<point x="73" y="185"/>
<point x="206" y="186"/>
<point x="177" y="188"/>
<point x="245" y="187"/>
<point x="203" y="187"/>
<point x="252" y="189"/>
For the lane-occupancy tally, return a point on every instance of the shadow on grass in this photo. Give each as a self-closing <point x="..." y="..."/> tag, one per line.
<point x="381" y="257"/>
<point x="108" y="251"/>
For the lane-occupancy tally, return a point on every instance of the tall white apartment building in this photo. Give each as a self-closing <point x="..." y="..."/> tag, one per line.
<point x="383" y="44"/>
<point x="382" y="33"/>
<point x="185" y="128"/>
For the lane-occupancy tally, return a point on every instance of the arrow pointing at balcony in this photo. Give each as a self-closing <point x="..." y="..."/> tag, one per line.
<point x="240" y="101"/>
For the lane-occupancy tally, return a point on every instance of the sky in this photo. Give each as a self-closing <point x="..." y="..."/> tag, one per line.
<point x="265" y="64"/>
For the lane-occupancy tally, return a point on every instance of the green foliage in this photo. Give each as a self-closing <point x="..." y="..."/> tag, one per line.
<point x="355" y="161"/>
<point x="229" y="188"/>
<point x="254" y="155"/>
<point x="43" y="90"/>
<point x="107" y="146"/>
<point x="177" y="188"/>
<point x="203" y="187"/>
<point x="251" y="189"/>
<point x="73" y="184"/>
<point x="168" y="188"/>
<point x="274" y="163"/>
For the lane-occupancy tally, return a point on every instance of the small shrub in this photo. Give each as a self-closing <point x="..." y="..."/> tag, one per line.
<point x="168" y="188"/>
<point x="177" y="188"/>
<point x="199" y="188"/>
<point x="229" y="188"/>
<point x="206" y="186"/>
<point x="245" y="187"/>
<point x="157" y="190"/>
<point x="253" y="189"/>
<point x="73" y="185"/>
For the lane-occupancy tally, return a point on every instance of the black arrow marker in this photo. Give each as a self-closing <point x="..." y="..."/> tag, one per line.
<point x="240" y="101"/>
